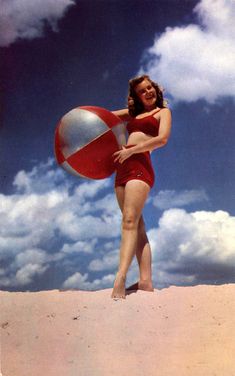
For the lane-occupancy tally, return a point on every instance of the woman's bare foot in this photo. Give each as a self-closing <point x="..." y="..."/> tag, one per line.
<point x="145" y="285"/>
<point x="119" y="287"/>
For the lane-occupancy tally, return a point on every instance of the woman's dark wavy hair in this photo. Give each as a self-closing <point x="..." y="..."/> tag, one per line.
<point x="135" y="106"/>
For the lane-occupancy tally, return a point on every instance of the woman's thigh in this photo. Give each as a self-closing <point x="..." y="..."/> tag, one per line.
<point x="134" y="197"/>
<point x="120" y="195"/>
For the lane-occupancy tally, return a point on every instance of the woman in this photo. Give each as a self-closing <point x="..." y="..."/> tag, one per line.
<point x="149" y="125"/>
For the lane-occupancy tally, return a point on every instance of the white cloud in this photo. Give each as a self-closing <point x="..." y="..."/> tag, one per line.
<point x="79" y="281"/>
<point x="51" y="217"/>
<point x="26" y="274"/>
<point x="26" y="266"/>
<point x="49" y="177"/>
<point x="76" y="227"/>
<point x="196" y="61"/>
<point x="80" y="246"/>
<point x="26" y="19"/>
<point x="193" y="247"/>
<point x="170" y="198"/>
<point x="76" y="280"/>
<point x="73" y="227"/>
<point x="108" y="262"/>
<point x="188" y="248"/>
<point x="89" y="189"/>
<point x="218" y="16"/>
<point x="31" y="256"/>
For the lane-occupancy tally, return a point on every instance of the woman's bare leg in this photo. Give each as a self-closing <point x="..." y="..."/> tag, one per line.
<point x="144" y="258"/>
<point x="143" y="251"/>
<point x="135" y="195"/>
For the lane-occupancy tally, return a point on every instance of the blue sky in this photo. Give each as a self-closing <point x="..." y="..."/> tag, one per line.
<point x="58" y="231"/>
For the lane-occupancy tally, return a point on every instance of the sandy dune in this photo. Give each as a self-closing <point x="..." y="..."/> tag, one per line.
<point x="180" y="331"/>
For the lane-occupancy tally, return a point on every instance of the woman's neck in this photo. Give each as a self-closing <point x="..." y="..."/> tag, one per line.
<point x="149" y="109"/>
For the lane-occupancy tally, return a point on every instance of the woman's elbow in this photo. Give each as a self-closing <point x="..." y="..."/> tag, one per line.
<point x="160" y="143"/>
<point x="164" y="141"/>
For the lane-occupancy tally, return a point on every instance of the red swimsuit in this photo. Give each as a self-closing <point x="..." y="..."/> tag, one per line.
<point x="138" y="166"/>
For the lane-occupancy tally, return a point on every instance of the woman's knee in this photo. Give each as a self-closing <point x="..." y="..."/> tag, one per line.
<point x="129" y="220"/>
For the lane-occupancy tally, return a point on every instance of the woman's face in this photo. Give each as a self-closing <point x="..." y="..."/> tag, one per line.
<point x="146" y="94"/>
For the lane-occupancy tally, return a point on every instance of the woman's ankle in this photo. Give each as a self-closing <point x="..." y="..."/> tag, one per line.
<point x="145" y="280"/>
<point x="121" y="275"/>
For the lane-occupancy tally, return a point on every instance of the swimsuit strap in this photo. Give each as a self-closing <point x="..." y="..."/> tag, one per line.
<point x="155" y="112"/>
<point x="144" y="117"/>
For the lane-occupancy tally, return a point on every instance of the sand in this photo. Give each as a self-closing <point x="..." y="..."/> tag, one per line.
<point x="180" y="331"/>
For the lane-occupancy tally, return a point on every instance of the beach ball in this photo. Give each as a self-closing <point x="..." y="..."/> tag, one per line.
<point x="85" y="139"/>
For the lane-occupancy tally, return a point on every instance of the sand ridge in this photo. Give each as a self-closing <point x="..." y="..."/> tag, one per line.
<point x="186" y="331"/>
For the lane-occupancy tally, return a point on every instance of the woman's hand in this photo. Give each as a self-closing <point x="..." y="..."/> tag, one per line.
<point x="122" y="155"/>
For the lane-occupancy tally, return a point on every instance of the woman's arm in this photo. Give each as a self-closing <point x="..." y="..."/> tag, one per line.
<point x="154" y="142"/>
<point x="123" y="114"/>
<point x="163" y="134"/>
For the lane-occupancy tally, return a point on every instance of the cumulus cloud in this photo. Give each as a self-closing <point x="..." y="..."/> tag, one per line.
<point x="56" y="222"/>
<point x="25" y="19"/>
<point x="25" y="267"/>
<point x="80" y="281"/>
<point x="108" y="262"/>
<point x="51" y="218"/>
<point x="192" y="248"/>
<point x="196" y="61"/>
<point x="27" y="182"/>
<point x="25" y="275"/>
<point x="188" y="249"/>
<point x="170" y="198"/>
<point x="79" y="246"/>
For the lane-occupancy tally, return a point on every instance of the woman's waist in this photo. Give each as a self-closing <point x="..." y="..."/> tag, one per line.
<point x="136" y="155"/>
<point x="136" y="138"/>
<point x="140" y="159"/>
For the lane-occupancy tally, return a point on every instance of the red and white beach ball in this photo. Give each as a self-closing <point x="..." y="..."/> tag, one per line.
<point x="85" y="139"/>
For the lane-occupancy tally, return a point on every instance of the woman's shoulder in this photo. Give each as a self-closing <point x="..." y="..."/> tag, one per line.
<point x="165" y="112"/>
<point x="160" y="112"/>
<point x="165" y="109"/>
